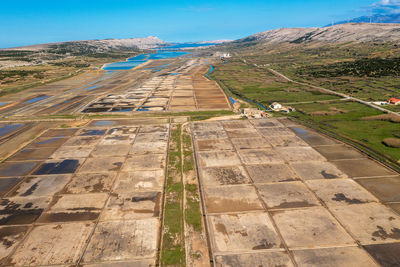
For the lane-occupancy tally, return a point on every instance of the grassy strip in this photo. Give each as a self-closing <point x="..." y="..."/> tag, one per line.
<point x="193" y="214"/>
<point x="201" y="115"/>
<point x="173" y="246"/>
<point x="192" y="211"/>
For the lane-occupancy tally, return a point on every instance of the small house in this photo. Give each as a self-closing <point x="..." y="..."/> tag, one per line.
<point x="275" y="106"/>
<point x="394" y="101"/>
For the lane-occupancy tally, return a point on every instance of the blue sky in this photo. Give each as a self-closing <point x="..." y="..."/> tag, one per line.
<point x="25" y="22"/>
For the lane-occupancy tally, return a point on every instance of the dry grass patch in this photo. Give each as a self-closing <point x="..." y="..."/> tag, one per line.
<point x="391" y="142"/>
<point x="384" y="117"/>
<point x="332" y="111"/>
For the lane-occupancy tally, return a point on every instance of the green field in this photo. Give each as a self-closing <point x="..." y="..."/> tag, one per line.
<point x="348" y="122"/>
<point x="173" y="244"/>
<point x="327" y="113"/>
<point x="370" y="71"/>
<point x="262" y="86"/>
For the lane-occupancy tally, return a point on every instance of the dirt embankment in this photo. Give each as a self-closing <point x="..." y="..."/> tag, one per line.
<point x="384" y="117"/>
<point x="331" y="111"/>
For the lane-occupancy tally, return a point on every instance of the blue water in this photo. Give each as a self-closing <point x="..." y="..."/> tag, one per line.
<point x="126" y="65"/>
<point x="173" y="74"/>
<point x="2" y="104"/>
<point x="140" y="59"/>
<point x="210" y="71"/>
<point x="159" y="68"/>
<point x="91" y="88"/>
<point x="123" y="110"/>
<point x="51" y="140"/>
<point x="9" y="128"/>
<point x="103" y="123"/>
<point x="300" y="131"/>
<point x="36" y="99"/>
<point x="162" y="66"/>
<point x="233" y="101"/>
<point x="169" y="54"/>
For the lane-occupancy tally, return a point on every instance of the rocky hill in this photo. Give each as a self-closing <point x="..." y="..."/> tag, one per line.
<point x="98" y="45"/>
<point x="351" y="32"/>
<point x="141" y="43"/>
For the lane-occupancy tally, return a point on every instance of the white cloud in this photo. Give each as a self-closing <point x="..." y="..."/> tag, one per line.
<point x="385" y="7"/>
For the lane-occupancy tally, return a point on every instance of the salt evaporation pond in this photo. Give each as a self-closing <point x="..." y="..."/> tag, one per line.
<point x="140" y="59"/>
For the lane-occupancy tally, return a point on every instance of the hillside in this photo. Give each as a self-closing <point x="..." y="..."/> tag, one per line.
<point x="99" y="45"/>
<point x="378" y="18"/>
<point x="351" y="32"/>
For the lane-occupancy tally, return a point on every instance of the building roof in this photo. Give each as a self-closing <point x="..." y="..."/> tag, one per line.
<point x="394" y="100"/>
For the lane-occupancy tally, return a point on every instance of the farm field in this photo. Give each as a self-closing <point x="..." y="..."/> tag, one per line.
<point x="340" y="117"/>
<point x="364" y="70"/>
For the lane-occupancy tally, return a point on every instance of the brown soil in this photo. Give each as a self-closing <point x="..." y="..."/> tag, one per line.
<point x="332" y="111"/>
<point x="384" y="117"/>
<point x="392" y="142"/>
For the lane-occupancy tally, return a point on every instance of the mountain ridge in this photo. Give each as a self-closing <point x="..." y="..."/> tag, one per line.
<point x="101" y="45"/>
<point x="377" y="18"/>
<point x="350" y="32"/>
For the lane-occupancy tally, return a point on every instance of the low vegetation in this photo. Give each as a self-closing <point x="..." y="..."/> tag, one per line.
<point x="173" y="246"/>
<point x="351" y="124"/>
<point x="196" y="115"/>
<point x="192" y="212"/>
<point x="369" y="71"/>
<point x="355" y="69"/>
<point x="8" y="76"/>
<point x="193" y="216"/>
<point x="260" y="85"/>
<point x="21" y="70"/>
<point x="25" y="79"/>
<point x="366" y="67"/>
<point x="182" y="201"/>
<point x="384" y="117"/>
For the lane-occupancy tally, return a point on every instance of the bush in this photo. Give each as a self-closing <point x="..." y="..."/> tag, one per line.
<point x="366" y="67"/>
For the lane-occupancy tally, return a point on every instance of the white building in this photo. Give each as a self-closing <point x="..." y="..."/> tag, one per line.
<point x="275" y="106"/>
